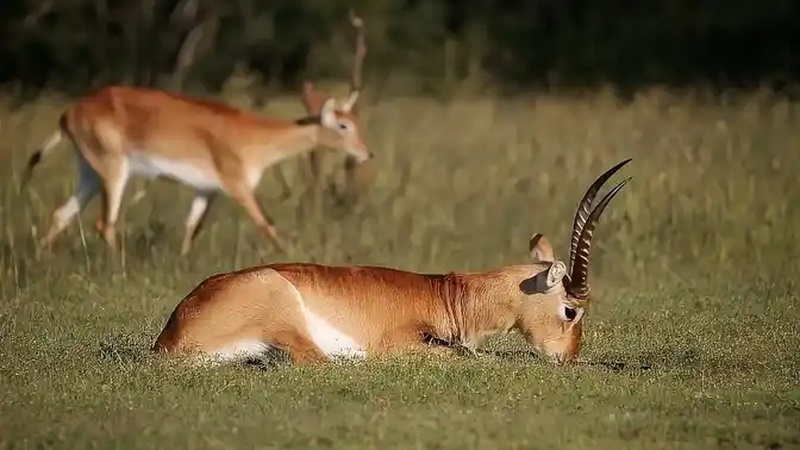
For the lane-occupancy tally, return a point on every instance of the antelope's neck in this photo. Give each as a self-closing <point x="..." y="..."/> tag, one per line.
<point x="475" y="306"/>
<point x="275" y="144"/>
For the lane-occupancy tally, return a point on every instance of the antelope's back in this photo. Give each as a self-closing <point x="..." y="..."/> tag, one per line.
<point x="368" y="302"/>
<point x="144" y="113"/>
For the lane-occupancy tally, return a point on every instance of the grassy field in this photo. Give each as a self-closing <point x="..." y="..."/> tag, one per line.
<point x="692" y="341"/>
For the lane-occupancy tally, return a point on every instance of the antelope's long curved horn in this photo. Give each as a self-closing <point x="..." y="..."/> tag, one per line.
<point x="582" y="214"/>
<point x="579" y="277"/>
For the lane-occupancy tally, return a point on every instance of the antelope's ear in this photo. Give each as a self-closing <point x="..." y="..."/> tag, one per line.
<point x="327" y="113"/>
<point x="556" y="273"/>
<point x="544" y="280"/>
<point x="540" y="249"/>
<point x="312" y="99"/>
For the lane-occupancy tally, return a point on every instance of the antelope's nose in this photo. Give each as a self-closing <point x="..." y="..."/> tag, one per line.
<point x="366" y="156"/>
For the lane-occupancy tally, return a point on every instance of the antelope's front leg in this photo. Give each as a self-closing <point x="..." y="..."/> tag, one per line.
<point x="246" y="198"/>
<point x="195" y="219"/>
<point x="409" y="340"/>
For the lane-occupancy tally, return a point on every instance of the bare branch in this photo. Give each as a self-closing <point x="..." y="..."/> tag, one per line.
<point x="185" y="13"/>
<point x="101" y="9"/>
<point x="147" y="13"/>
<point x="186" y="55"/>
<point x="361" y="51"/>
<point x="32" y="19"/>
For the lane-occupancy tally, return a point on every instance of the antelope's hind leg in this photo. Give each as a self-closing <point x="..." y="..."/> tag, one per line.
<point x="115" y="180"/>
<point x="302" y="350"/>
<point x="89" y="185"/>
<point x="268" y="311"/>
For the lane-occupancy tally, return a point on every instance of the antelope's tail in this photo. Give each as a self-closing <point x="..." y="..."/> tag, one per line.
<point x="42" y="151"/>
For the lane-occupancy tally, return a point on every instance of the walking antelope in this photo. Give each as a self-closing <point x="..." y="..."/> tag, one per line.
<point x="316" y="312"/>
<point x="122" y="132"/>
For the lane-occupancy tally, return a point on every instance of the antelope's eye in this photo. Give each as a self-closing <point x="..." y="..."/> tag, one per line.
<point x="569" y="313"/>
<point x="343" y="126"/>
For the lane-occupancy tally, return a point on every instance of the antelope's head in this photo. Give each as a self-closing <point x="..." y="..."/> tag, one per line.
<point x="340" y="127"/>
<point x="555" y="298"/>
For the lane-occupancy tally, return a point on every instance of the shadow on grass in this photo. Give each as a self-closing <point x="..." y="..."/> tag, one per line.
<point x="611" y="365"/>
<point x="127" y="348"/>
<point x="130" y="349"/>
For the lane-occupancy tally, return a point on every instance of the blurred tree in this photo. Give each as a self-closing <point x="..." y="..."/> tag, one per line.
<point x="73" y="45"/>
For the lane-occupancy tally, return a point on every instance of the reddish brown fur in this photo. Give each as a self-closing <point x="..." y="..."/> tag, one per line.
<point x="144" y="114"/>
<point x="384" y="310"/>
<point x="175" y="136"/>
<point x="217" y="142"/>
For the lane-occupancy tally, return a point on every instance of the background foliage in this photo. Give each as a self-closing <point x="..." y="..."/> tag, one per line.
<point x="71" y="44"/>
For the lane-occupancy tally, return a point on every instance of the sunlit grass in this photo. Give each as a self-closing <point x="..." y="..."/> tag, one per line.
<point x="693" y="334"/>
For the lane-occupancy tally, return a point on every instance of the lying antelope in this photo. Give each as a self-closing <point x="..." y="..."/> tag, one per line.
<point x="317" y="312"/>
<point x="122" y="132"/>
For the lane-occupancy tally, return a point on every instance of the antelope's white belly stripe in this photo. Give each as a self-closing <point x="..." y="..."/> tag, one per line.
<point x="151" y="166"/>
<point x="248" y="348"/>
<point x="331" y="341"/>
